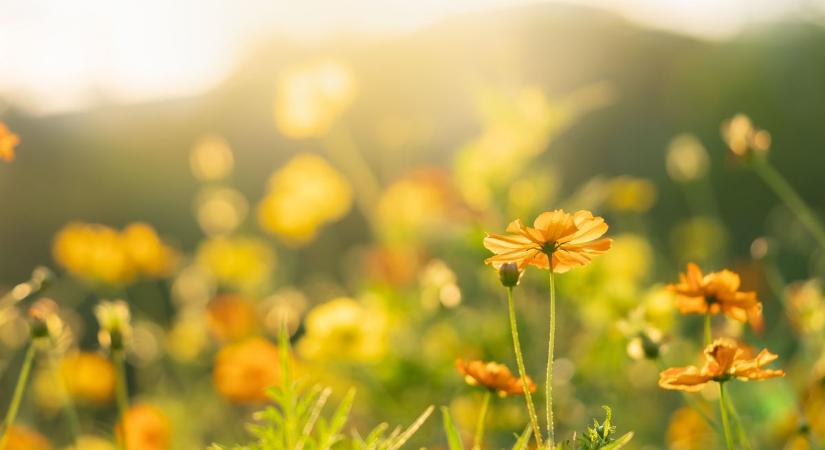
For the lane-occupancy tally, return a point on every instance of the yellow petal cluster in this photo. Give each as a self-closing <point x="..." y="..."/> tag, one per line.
<point x="244" y="263"/>
<point x="8" y="141"/>
<point x="343" y="329"/>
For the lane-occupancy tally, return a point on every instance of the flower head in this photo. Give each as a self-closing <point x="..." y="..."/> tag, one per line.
<point x="557" y="240"/>
<point x="115" y="329"/>
<point x="714" y="293"/>
<point x="147" y="428"/>
<point x="8" y="141"/>
<point x="743" y="138"/>
<point x="494" y="376"/>
<point x="245" y="370"/>
<point x="724" y="359"/>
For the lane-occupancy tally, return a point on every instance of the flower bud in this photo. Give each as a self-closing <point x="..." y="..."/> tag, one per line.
<point x="509" y="274"/>
<point x="115" y="329"/>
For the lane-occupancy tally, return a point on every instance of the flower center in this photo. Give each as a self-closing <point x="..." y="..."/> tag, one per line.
<point x="549" y="247"/>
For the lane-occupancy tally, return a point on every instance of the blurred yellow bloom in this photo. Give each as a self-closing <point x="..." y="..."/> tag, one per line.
<point x="211" y="158"/>
<point x="743" y="138"/>
<point x="344" y="329"/>
<point x="90" y="442"/>
<point x="687" y="159"/>
<point x="22" y="438"/>
<point x="102" y="254"/>
<point x="699" y="239"/>
<point x="8" y="141"/>
<point x="688" y="430"/>
<point x="304" y="194"/>
<point x="89" y="378"/>
<point x="631" y="194"/>
<point x="220" y="210"/>
<point x="806" y="306"/>
<point x="232" y="317"/>
<point x="188" y="337"/>
<point x="245" y="370"/>
<point x="114" y="319"/>
<point x="241" y="262"/>
<point x="557" y="241"/>
<point x="147" y="428"/>
<point x="310" y="97"/>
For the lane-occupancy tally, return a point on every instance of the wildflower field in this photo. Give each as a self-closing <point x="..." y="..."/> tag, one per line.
<point x="539" y="227"/>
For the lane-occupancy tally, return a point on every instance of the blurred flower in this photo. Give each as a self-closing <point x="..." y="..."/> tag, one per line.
<point x="232" y="317"/>
<point x="286" y="305"/>
<point x="439" y="286"/>
<point x="631" y="194"/>
<point x="743" y="138"/>
<point x="343" y="329"/>
<point x="22" y="438"/>
<point x="494" y="376"/>
<point x="311" y="96"/>
<point x="102" y="254"/>
<point x="91" y="442"/>
<point x="115" y="327"/>
<point x="571" y="240"/>
<point x="687" y="159"/>
<point x="806" y="306"/>
<point x="396" y="264"/>
<point x="220" y="210"/>
<point x="8" y="141"/>
<point x="714" y="293"/>
<point x="45" y="322"/>
<point x="189" y="335"/>
<point x="724" y="359"/>
<point x="304" y="194"/>
<point x="245" y="370"/>
<point x="211" y="158"/>
<point x="647" y="344"/>
<point x="89" y="378"/>
<point x="245" y="263"/>
<point x="688" y="430"/>
<point x="699" y="239"/>
<point x="146" y="428"/>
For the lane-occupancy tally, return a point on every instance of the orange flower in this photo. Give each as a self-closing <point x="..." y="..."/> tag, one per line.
<point x="8" y="141"/>
<point x="245" y="370"/>
<point x="147" y="428"/>
<point x="714" y="293"/>
<point x="557" y="239"/>
<point x="724" y="359"/>
<point x="232" y="317"/>
<point x="22" y="438"/>
<point x="493" y="376"/>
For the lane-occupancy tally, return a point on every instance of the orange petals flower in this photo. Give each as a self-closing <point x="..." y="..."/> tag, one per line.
<point x="556" y="239"/>
<point x="8" y="141"/>
<point x="245" y="370"/>
<point x="724" y="359"/>
<point x="493" y="376"/>
<point x="714" y="293"/>
<point x="147" y="428"/>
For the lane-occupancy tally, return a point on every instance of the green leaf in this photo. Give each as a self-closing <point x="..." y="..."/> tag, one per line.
<point x="620" y="442"/>
<point x="454" y="441"/>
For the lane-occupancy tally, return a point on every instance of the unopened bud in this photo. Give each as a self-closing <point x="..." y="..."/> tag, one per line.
<point x="509" y="274"/>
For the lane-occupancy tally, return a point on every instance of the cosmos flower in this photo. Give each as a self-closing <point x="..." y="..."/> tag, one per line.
<point x="724" y="359"/>
<point x="8" y="141"/>
<point x="714" y="293"/>
<point x="494" y="376"/>
<point x="147" y="428"/>
<point x="556" y="239"/>
<point x="245" y="370"/>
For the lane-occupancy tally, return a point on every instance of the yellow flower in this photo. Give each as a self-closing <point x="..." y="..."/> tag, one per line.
<point x="8" y="141"/>
<point x="89" y="378"/>
<point x="147" y="252"/>
<point x="724" y="359"/>
<point x="245" y="370"/>
<point x="91" y="442"/>
<point x="743" y="138"/>
<point x="211" y="158"/>
<point x="22" y="438"/>
<point x="494" y="376"/>
<point x="304" y="194"/>
<point x="688" y="430"/>
<point x="557" y="239"/>
<point x="714" y="293"/>
<point x="115" y="327"/>
<point x="241" y="262"/>
<point x="631" y="194"/>
<point x="147" y="428"/>
<point x="232" y="317"/>
<point x="310" y="97"/>
<point x="687" y="159"/>
<point x="344" y="329"/>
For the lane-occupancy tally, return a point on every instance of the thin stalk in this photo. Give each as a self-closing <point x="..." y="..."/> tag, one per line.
<point x="522" y="373"/>
<point x="708" y="334"/>
<point x="121" y="394"/>
<point x="68" y="403"/>
<point x="482" y="419"/>
<point x="792" y="200"/>
<point x="19" y="389"/>
<point x="740" y="430"/>
<point x="548" y="389"/>
<point x="723" y="410"/>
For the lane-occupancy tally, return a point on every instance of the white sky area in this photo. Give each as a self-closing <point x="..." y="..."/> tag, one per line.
<point x="64" y="55"/>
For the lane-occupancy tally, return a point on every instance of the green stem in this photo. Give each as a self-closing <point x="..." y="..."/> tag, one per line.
<point x="528" y="397"/>
<point x="19" y="389"/>
<point x="792" y="200"/>
<point x="482" y="419"/>
<point x="68" y="403"/>
<point x="551" y="438"/>
<point x="723" y="410"/>
<point x="708" y="333"/>
<point x="740" y="430"/>
<point x="121" y="393"/>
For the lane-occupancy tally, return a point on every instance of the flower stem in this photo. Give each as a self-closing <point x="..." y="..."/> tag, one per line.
<point x="19" y="389"/>
<point x="551" y="439"/>
<point x="792" y="200"/>
<point x="121" y="393"/>
<point x="482" y="419"/>
<point x="69" y="407"/>
<point x="740" y="430"/>
<point x="522" y="373"/>
<point x="723" y="410"/>
<point x="708" y="334"/>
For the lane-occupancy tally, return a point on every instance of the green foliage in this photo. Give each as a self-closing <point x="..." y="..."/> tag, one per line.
<point x="600" y="436"/>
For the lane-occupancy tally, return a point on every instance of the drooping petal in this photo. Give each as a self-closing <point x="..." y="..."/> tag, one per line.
<point x="689" y="379"/>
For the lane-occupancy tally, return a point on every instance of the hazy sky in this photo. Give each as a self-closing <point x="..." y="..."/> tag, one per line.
<point x="58" y="55"/>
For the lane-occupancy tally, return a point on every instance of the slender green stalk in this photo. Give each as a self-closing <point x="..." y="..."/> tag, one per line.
<point x="708" y="334"/>
<point x="121" y="394"/>
<point x="19" y="389"/>
<point x="548" y="390"/>
<point x="522" y="373"/>
<point x="723" y="410"/>
<point x="792" y="200"/>
<point x="68" y="403"/>
<point x="740" y="430"/>
<point x="482" y="419"/>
